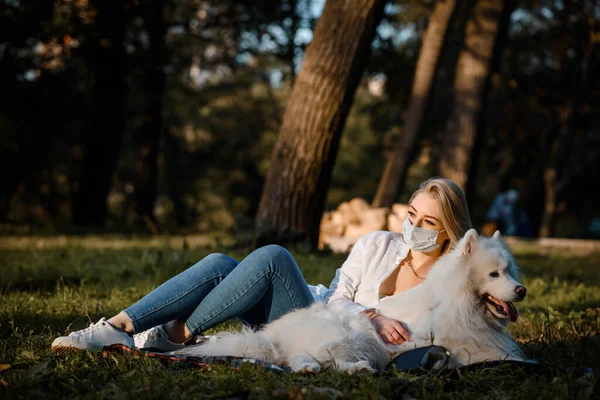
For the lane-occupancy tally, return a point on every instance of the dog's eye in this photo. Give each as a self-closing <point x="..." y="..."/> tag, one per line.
<point x="494" y="274"/>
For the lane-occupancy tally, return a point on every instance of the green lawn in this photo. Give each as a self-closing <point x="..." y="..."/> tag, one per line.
<point x="52" y="286"/>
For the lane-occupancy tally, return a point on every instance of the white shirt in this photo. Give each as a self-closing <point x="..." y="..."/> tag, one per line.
<point x="356" y="284"/>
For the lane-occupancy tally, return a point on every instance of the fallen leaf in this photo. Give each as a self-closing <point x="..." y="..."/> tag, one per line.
<point x="27" y="355"/>
<point x="4" y="367"/>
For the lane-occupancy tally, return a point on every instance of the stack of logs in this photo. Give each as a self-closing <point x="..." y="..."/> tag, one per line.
<point x="342" y="227"/>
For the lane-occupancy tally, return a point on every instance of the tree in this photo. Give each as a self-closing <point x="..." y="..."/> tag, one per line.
<point x="150" y="132"/>
<point x="296" y="184"/>
<point x="106" y="121"/>
<point x="394" y="174"/>
<point x="545" y="104"/>
<point x="470" y="87"/>
<point x="567" y="137"/>
<point x="24" y="140"/>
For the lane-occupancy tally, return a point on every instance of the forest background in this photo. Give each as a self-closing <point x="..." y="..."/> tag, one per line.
<point x="182" y="116"/>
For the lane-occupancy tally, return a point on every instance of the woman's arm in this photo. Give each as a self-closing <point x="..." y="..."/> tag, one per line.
<point x="342" y="288"/>
<point x="391" y="331"/>
<point x="348" y="277"/>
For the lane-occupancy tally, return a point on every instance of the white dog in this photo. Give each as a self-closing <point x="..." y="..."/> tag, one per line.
<point x="463" y="306"/>
<point x="464" y="303"/>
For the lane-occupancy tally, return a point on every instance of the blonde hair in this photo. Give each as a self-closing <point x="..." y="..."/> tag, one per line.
<point x="453" y="207"/>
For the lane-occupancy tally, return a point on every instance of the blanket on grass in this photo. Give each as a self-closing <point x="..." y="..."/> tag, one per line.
<point x="417" y="361"/>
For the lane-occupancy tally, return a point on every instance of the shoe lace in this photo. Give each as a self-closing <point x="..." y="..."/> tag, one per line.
<point x="143" y="337"/>
<point x="93" y="326"/>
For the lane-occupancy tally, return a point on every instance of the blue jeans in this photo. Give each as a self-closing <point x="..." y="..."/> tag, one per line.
<point x="259" y="289"/>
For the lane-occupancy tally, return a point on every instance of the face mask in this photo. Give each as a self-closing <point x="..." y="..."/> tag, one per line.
<point x="419" y="239"/>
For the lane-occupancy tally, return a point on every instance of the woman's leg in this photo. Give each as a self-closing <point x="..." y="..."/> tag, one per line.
<point x="263" y="287"/>
<point x="177" y="297"/>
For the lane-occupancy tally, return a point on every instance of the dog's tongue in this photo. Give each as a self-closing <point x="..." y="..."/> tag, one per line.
<point x="509" y="309"/>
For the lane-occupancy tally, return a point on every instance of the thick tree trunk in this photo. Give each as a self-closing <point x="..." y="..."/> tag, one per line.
<point x="471" y="186"/>
<point x="472" y="73"/>
<point x="150" y="133"/>
<point x="394" y="174"/>
<point x="296" y="185"/>
<point x="107" y="117"/>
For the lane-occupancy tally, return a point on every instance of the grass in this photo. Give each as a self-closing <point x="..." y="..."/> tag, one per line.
<point x="51" y="286"/>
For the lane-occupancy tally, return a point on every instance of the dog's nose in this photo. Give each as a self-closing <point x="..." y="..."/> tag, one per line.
<point x="521" y="291"/>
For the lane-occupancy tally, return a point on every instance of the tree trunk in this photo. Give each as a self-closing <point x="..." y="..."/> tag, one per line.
<point x="471" y="185"/>
<point x="291" y="32"/>
<point x="24" y="141"/>
<point x="174" y="182"/>
<point x="470" y="83"/>
<point x="296" y="184"/>
<point x="150" y="132"/>
<point x="557" y="175"/>
<point x="394" y="174"/>
<point x="107" y="117"/>
<point x="547" y="225"/>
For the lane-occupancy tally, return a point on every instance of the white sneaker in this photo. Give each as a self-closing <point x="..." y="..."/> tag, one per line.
<point x="157" y="339"/>
<point x="93" y="338"/>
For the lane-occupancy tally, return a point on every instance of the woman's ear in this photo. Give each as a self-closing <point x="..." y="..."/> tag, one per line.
<point x="469" y="241"/>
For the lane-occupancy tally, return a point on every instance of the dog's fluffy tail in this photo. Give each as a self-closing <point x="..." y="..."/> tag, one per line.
<point x="247" y="343"/>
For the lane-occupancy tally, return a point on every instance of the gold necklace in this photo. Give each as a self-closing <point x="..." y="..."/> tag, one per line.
<point x="411" y="269"/>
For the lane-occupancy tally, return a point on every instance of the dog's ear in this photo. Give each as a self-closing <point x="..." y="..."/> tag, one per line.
<point x="498" y="237"/>
<point x="469" y="241"/>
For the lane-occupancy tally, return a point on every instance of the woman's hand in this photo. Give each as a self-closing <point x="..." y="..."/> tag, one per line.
<point x="391" y="331"/>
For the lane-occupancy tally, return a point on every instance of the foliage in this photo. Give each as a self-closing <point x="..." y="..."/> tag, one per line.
<point x="229" y="67"/>
<point x="51" y="286"/>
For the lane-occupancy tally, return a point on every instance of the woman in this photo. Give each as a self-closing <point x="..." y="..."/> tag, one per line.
<point x="268" y="282"/>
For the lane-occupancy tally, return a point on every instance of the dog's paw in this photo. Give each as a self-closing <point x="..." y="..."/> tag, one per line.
<point x="353" y="367"/>
<point x="305" y="367"/>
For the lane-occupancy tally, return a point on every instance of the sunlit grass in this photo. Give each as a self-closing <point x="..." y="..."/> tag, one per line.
<point x="51" y="286"/>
